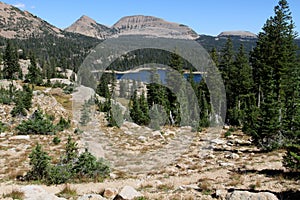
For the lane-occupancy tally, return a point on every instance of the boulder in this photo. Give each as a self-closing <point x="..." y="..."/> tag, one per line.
<point x="224" y="164"/>
<point x="245" y="195"/>
<point x="20" y="137"/>
<point x="218" y="141"/>
<point x="91" y="197"/>
<point x="232" y="156"/>
<point x="128" y="193"/>
<point x="142" y="138"/>
<point x="157" y="134"/>
<point x="34" y="192"/>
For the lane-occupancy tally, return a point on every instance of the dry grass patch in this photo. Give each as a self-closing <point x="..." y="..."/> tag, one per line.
<point x="165" y="187"/>
<point x="64" y="100"/>
<point x="236" y="179"/>
<point x="15" y="194"/>
<point x="68" y="192"/>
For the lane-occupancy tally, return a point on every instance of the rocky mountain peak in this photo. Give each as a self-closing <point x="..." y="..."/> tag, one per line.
<point x="149" y="25"/>
<point x="242" y="34"/>
<point x="89" y="27"/>
<point x="16" y="23"/>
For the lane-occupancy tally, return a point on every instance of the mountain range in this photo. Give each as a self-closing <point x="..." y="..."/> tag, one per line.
<point x="15" y="23"/>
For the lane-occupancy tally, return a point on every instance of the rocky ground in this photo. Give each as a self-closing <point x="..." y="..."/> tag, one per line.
<point x="173" y="163"/>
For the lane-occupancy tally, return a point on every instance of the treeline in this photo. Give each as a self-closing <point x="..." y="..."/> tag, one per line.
<point x="67" y="52"/>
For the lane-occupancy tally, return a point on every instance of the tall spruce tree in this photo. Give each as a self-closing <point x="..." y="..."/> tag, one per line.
<point x="275" y="77"/>
<point x="228" y="70"/>
<point x="11" y="68"/>
<point x="34" y="73"/>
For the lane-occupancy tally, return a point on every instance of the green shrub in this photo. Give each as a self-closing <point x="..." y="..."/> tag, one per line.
<point x="228" y="133"/>
<point x="2" y="127"/>
<point x="292" y="158"/>
<point x="37" y="124"/>
<point x="63" y="124"/>
<point x="40" y="163"/>
<point x="71" y="166"/>
<point x="88" y="166"/>
<point x="59" y="174"/>
<point x="56" y="140"/>
<point x="71" y="152"/>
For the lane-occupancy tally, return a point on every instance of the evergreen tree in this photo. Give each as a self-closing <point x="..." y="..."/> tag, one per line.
<point x="274" y="67"/>
<point x="11" y="68"/>
<point x="144" y="118"/>
<point x="40" y="162"/>
<point x="241" y="88"/>
<point x="34" y="75"/>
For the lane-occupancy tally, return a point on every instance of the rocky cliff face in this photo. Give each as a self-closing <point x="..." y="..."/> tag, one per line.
<point x="148" y="25"/>
<point x="242" y="34"/>
<point x="89" y="27"/>
<point x="15" y="23"/>
<point x="133" y="25"/>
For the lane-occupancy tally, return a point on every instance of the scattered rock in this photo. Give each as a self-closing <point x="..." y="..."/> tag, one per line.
<point x="34" y="192"/>
<point x="113" y="176"/>
<point x="170" y="134"/>
<point x="232" y="156"/>
<point x="245" y="195"/>
<point x="2" y="134"/>
<point x="20" y="137"/>
<point x="224" y="164"/>
<point x="157" y="134"/>
<point x="192" y="186"/>
<point x="110" y="193"/>
<point x="142" y="138"/>
<point x="128" y="193"/>
<point x="218" y="141"/>
<point x="91" y="197"/>
<point x="226" y="127"/>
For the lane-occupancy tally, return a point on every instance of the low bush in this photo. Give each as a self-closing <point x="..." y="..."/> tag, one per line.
<point x="37" y="124"/>
<point x="71" y="166"/>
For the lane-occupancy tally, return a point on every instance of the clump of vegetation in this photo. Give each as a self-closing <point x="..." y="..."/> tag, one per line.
<point x="40" y="164"/>
<point x="37" y="124"/>
<point x="15" y="194"/>
<point x="71" y="167"/>
<point x="2" y="127"/>
<point x="42" y="124"/>
<point x="56" y="140"/>
<point x="292" y="157"/>
<point x="63" y="124"/>
<point x="22" y="100"/>
<point x="228" y="133"/>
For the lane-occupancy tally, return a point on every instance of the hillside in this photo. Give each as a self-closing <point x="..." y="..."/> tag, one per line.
<point x="19" y="24"/>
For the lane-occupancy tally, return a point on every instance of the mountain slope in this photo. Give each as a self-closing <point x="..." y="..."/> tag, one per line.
<point x="15" y="23"/>
<point x="89" y="27"/>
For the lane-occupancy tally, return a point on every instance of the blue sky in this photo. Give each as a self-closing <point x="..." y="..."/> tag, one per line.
<point x="204" y="16"/>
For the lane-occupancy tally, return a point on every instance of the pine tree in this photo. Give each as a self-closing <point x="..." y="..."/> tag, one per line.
<point x="274" y="64"/>
<point x="11" y="68"/>
<point x="241" y="88"/>
<point x="34" y="75"/>
<point x="227" y="69"/>
<point x="40" y="163"/>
